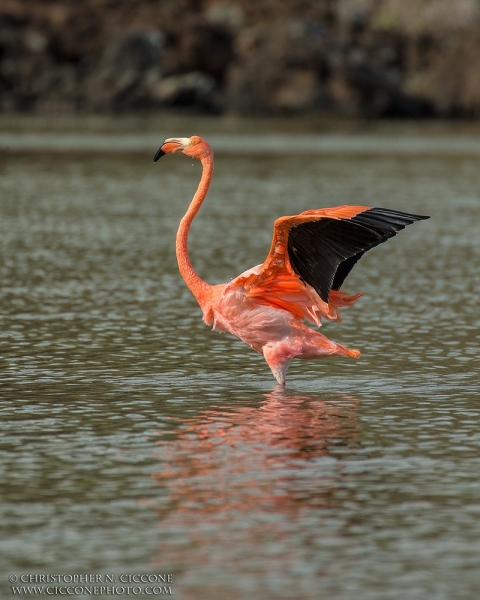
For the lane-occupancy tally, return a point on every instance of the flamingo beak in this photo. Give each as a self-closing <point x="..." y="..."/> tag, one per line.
<point x="171" y="145"/>
<point x="158" y="154"/>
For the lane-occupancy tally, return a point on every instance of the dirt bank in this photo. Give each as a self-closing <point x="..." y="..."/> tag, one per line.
<point x="373" y="58"/>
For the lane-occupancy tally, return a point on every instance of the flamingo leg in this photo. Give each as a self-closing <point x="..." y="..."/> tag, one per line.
<point x="278" y="356"/>
<point x="311" y="344"/>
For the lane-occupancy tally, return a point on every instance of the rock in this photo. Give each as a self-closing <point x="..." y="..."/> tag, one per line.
<point x="379" y="95"/>
<point x="194" y="45"/>
<point x="452" y="83"/>
<point x="228" y="15"/>
<point x="299" y="92"/>
<point x="278" y="68"/>
<point x="190" y="89"/>
<point x="130" y="66"/>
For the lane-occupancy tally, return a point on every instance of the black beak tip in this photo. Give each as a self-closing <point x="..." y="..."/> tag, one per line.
<point x="158" y="154"/>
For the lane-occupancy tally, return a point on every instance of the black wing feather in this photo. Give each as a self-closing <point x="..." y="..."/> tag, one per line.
<point x="323" y="252"/>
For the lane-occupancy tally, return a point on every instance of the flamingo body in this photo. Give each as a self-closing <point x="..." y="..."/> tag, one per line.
<point x="310" y="256"/>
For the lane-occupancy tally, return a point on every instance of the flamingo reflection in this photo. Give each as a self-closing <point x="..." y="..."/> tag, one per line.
<point x="271" y="456"/>
<point x="241" y="483"/>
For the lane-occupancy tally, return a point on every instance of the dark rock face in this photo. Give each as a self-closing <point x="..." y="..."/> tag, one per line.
<point x="453" y="80"/>
<point x="263" y="57"/>
<point x="279" y="68"/>
<point x="129" y="69"/>
<point x="195" y="45"/>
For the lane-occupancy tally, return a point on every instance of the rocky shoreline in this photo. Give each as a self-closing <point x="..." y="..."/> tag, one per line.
<point x="356" y="58"/>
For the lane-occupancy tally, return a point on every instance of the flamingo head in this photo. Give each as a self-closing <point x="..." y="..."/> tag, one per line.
<point x="195" y="146"/>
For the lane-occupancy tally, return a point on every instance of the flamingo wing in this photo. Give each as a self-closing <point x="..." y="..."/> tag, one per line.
<point x="319" y="248"/>
<point x="324" y="251"/>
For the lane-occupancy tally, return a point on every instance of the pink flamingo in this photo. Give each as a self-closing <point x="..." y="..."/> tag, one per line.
<point x="311" y="255"/>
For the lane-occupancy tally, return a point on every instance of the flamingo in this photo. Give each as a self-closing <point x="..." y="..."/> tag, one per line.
<point x="310" y="256"/>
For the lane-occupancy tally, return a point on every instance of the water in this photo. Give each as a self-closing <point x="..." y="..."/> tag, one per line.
<point x="135" y="440"/>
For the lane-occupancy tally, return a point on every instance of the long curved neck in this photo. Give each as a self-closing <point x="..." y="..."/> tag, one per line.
<point x="197" y="286"/>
